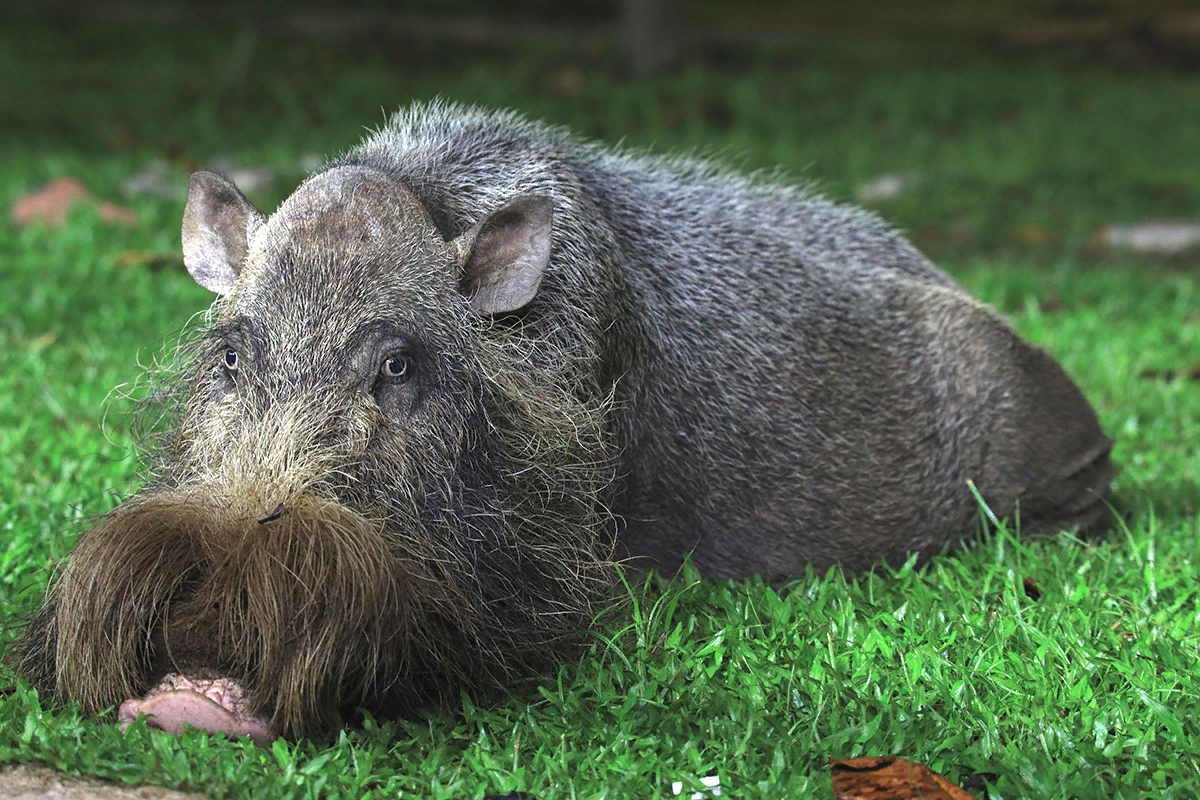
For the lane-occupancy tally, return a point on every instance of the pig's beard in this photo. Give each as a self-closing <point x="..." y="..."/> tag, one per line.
<point x="308" y="604"/>
<point x="460" y="559"/>
<point x="312" y="608"/>
<point x="309" y="614"/>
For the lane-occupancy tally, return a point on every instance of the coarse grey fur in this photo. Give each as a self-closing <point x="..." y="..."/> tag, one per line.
<point x="795" y="383"/>
<point x="475" y="361"/>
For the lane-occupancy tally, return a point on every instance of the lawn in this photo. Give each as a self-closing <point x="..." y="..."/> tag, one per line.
<point x="1025" y="668"/>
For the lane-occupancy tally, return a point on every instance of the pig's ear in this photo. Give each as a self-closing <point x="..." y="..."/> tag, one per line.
<point x="217" y="225"/>
<point x="504" y="257"/>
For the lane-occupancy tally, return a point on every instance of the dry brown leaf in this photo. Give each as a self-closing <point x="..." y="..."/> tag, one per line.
<point x="890" y="778"/>
<point x="50" y="205"/>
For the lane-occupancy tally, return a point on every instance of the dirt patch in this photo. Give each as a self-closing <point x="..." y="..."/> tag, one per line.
<point x="41" y="783"/>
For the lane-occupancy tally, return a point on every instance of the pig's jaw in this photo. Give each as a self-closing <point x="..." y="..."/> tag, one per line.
<point x="217" y="705"/>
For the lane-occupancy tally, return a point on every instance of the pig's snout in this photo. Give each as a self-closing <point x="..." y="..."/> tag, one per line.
<point x="216" y="705"/>
<point x="262" y="630"/>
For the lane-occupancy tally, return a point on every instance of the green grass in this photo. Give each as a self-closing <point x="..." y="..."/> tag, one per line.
<point x="1089" y="691"/>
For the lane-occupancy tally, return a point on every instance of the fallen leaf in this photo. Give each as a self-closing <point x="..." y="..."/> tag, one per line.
<point x="50" y="205"/>
<point x="889" y="778"/>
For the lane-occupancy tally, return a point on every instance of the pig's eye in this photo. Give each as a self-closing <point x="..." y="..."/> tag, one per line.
<point x="396" y="368"/>
<point x="231" y="359"/>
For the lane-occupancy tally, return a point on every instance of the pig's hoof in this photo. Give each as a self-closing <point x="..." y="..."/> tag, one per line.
<point x="216" y="705"/>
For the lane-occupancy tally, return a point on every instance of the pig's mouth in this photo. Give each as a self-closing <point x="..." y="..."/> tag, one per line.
<point x="236" y="628"/>
<point x="217" y="705"/>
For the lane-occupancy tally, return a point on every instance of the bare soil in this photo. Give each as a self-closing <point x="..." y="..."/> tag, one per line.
<point x="25" y="782"/>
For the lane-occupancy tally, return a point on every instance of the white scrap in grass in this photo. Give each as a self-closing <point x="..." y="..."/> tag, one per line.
<point x="713" y="782"/>
<point x="247" y="179"/>
<point x="159" y="179"/>
<point x="1161" y="236"/>
<point x="886" y="187"/>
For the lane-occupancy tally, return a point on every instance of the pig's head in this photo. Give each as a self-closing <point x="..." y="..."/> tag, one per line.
<point x="379" y="486"/>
